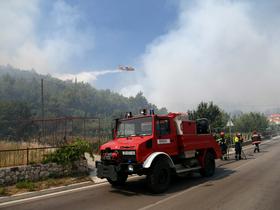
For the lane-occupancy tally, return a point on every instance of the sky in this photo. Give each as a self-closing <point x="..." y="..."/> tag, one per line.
<point x="184" y="52"/>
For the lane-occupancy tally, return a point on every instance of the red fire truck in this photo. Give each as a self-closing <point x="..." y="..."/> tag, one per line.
<point x="157" y="146"/>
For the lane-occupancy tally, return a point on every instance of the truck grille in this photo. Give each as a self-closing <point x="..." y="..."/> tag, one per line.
<point x="107" y="157"/>
<point x="129" y="158"/>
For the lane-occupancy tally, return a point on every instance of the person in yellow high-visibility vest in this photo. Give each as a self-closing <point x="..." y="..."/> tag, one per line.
<point x="238" y="146"/>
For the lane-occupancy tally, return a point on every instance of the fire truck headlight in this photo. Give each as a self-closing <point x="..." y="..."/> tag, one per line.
<point x="130" y="168"/>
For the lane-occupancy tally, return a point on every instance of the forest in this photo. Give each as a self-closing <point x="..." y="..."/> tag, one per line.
<point x="21" y="100"/>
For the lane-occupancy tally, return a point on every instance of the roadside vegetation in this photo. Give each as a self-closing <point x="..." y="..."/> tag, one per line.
<point x="3" y="191"/>
<point x="243" y="122"/>
<point x="29" y="186"/>
<point x="14" y="153"/>
<point x="7" y="145"/>
<point x="69" y="153"/>
<point x="251" y="121"/>
<point x="215" y="115"/>
<point x="65" y="155"/>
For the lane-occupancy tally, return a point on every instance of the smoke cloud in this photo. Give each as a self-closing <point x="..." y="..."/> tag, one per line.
<point x="45" y="42"/>
<point x="219" y="51"/>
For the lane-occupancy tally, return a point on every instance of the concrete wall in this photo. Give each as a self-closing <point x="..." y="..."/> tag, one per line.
<point x="12" y="175"/>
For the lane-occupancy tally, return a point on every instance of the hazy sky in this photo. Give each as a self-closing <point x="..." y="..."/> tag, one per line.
<point x="226" y="51"/>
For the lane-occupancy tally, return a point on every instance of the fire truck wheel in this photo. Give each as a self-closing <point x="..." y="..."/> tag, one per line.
<point x="209" y="165"/>
<point x="120" y="180"/>
<point x="159" y="177"/>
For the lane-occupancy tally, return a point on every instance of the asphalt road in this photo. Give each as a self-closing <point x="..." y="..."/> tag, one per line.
<point x="246" y="184"/>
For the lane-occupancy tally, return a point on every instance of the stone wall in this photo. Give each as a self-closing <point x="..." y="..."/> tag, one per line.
<point x="35" y="172"/>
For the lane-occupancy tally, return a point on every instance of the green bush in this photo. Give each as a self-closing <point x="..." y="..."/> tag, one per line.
<point x="95" y="147"/>
<point x="26" y="185"/>
<point x="69" y="153"/>
<point x="3" y="191"/>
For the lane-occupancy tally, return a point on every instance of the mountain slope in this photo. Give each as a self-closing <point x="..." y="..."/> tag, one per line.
<point x="65" y="98"/>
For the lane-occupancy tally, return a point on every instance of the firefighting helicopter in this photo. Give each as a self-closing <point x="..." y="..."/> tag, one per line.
<point x="126" y="68"/>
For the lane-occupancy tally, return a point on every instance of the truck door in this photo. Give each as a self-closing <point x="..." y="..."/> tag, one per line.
<point x="166" y="136"/>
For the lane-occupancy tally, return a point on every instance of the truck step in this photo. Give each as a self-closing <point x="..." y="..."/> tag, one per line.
<point x="182" y="169"/>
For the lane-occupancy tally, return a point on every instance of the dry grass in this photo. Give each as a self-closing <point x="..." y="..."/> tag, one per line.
<point x="19" y="155"/>
<point x="40" y="185"/>
<point x="8" y="145"/>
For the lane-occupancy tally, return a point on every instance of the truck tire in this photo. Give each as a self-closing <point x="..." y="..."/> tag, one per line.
<point x="209" y="165"/>
<point x="122" y="177"/>
<point x="158" y="178"/>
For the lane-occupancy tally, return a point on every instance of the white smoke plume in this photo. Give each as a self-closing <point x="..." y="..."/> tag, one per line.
<point x="219" y="51"/>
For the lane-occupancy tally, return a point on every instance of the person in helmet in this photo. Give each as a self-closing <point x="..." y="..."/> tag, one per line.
<point x="223" y="144"/>
<point x="256" y="140"/>
<point x="238" y="146"/>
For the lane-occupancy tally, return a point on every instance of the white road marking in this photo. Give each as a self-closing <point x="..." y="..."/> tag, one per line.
<point x="58" y="193"/>
<point x="106" y="183"/>
<point x="192" y="188"/>
<point x="51" y="194"/>
<point x="170" y="197"/>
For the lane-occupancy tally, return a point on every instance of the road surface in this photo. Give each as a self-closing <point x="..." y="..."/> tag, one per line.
<point x="246" y="184"/>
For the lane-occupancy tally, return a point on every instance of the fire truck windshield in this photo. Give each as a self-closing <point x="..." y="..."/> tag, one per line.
<point x="135" y="127"/>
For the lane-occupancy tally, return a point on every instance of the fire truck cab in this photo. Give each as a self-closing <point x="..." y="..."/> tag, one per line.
<point x="157" y="146"/>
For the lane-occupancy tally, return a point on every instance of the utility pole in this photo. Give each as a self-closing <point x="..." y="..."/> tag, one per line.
<point x="43" y="109"/>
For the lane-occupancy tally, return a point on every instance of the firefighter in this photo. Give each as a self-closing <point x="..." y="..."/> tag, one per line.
<point x="256" y="140"/>
<point x="223" y="144"/>
<point x="238" y="146"/>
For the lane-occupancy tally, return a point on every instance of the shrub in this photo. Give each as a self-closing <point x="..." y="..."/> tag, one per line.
<point x="26" y="185"/>
<point x="3" y="191"/>
<point x="69" y="153"/>
<point x="95" y="147"/>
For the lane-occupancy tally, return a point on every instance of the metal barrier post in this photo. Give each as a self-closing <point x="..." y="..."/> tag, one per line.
<point x="27" y="156"/>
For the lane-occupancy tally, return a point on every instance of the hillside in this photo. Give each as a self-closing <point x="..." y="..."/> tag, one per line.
<point x="64" y="98"/>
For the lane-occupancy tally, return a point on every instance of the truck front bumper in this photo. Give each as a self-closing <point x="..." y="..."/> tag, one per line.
<point x="111" y="171"/>
<point x="107" y="171"/>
